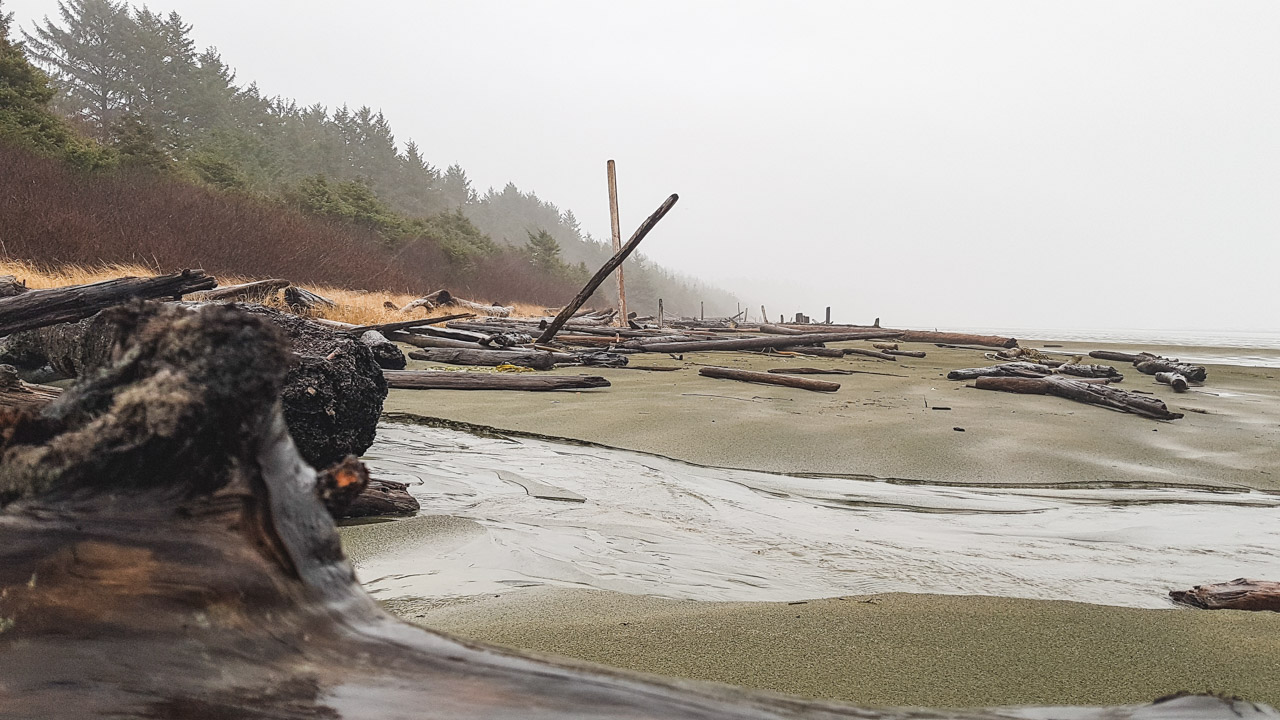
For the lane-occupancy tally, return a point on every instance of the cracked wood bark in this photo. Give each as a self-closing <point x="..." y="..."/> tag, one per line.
<point x="604" y="271"/>
<point x="220" y="589"/>
<point x="40" y="308"/>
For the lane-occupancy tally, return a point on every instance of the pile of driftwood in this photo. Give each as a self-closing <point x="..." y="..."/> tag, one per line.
<point x="188" y="568"/>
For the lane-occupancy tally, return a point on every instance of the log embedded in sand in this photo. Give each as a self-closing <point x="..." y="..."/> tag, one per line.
<point x="1174" y="380"/>
<point x="769" y="379"/>
<point x="1093" y="393"/>
<point x="1239" y="594"/>
<point x="868" y="353"/>
<point x="759" y="343"/>
<point x="40" y="308"/>
<point x="445" y="380"/>
<point x="815" y="351"/>
<point x="1013" y="369"/>
<point x="220" y="588"/>
<point x="490" y="358"/>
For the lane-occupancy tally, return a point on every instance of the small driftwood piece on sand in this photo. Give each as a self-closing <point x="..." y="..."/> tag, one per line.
<point x="1092" y="393"/>
<point x="381" y="497"/>
<point x="220" y="589"/>
<point x="885" y="346"/>
<point x="777" y="342"/>
<point x="305" y="301"/>
<point x="607" y="269"/>
<point x="19" y="395"/>
<point x="446" y="380"/>
<point x="809" y="371"/>
<point x="255" y="291"/>
<point x="39" y="308"/>
<point x="878" y="354"/>
<point x="815" y="351"/>
<point x="1239" y="594"/>
<point x="491" y="358"/>
<point x="905" y="353"/>
<point x="769" y="379"/>
<point x="1174" y="380"/>
<point x="1116" y="356"/>
<point x="1194" y="373"/>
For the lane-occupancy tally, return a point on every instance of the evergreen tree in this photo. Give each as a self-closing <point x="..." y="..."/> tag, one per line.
<point x="544" y="251"/>
<point x="87" y="59"/>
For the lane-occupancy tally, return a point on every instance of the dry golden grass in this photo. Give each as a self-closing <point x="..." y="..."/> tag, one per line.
<point x="357" y="307"/>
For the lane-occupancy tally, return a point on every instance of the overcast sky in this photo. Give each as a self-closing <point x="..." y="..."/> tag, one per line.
<point x="1084" y="165"/>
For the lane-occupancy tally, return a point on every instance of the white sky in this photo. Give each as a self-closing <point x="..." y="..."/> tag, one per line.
<point x="1086" y="165"/>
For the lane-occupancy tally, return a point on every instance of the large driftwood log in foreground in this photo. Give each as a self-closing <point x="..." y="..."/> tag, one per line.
<point x="770" y="379"/>
<point x="186" y="569"/>
<point x="776" y="342"/>
<point x="607" y="269"/>
<point x="1093" y="393"/>
<point x="446" y="380"/>
<point x="1239" y="594"/>
<point x="39" y="308"/>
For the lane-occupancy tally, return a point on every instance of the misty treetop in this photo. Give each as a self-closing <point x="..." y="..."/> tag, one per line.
<point x="134" y="80"/>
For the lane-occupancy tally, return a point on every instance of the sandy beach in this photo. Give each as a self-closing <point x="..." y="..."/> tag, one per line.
<point x="900" y="423"/>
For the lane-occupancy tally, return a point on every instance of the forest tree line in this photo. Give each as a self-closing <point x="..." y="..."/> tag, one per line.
<point x="135" y="93"/>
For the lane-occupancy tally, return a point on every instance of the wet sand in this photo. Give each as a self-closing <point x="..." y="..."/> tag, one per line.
<point x="891" y="427"/>
<point x="899" y="649"/>
<point x="890" y="649"/>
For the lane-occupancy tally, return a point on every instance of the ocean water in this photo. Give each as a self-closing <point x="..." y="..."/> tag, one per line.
<point x="1216" y="347"/>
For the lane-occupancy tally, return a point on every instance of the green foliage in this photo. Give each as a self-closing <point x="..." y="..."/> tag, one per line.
<point x="544" y="252"/>
<point x="25" y="118"/>
<point x="461" y="241"/>
<point x="136" y="146"/>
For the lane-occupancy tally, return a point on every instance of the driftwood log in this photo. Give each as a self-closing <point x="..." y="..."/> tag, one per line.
<point x="385" y="352"/>
<point x="815" y="351"/>
<point x="380" y="498"/>
<point x="40" y="308"/>
<point x="1088" y="371"/>
<point x="305" y="301"/>
<point x="187" y="569"/>
<point x="256" y="291"/>
<point x="1013" y="369"/>
<point x="407" y="324"/>
<point x="769" y="379"/>
<point x="1238" y="594"/>
<point x="1174" y="380"/>
<point x="1115" y="356"/>
<point x="1093" y="393"/>
<point x="10" y="285"/>
<point x="906" y="353"/>
<point x="607" y="269"/>
<point x="445" y="380"/>
<point x="776" y="342"/>
<point x="879" y="354"/>
<point x="1194" y="373"/>
<point x="809" y="371"/>
<point x="949" y="338"/>
<point x="491" y="358"/>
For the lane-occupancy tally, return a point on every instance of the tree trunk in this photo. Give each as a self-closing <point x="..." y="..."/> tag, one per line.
<point x="187" y="568"/>
<point x="306" y="302"/>
<point x="1239" y="594"/>
<point x="1194" y="373"/>
<point x="905" y="353"/>
<point x="1013" y="369"/>
<point x="407" y="324"/>
<point x="869" y="353"/>
<point x="769" y="379"/>
<point x="40" y="308"/>
<point x="809" y="371"/>
<point x="1174" y="380"/>
<point x="445" y="380"/>
<point x="1082" y="391"/>
<point x="1115" y="356"/>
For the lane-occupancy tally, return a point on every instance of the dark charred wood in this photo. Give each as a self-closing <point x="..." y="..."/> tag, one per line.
<point x="1238" y="594"/>
<point x="491" y="358"/>
<point x="1194" y="373"/>
<point x="41" y="308"/>
<point x="219" y="588"/>
<point x="445" y="380"/>
<point x="385" y="352"/>
<point x="606" y="270"/>
<point x="776" y="342"/>
<point x="769" y="379"/>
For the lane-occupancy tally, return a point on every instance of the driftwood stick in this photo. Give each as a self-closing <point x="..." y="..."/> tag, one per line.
<point x="905" y="353"/>
<point x="606" y="269"/>
<point x="809" y="371"/>
<point x="445" y="380"/>
<point x="868" y="353"/>
<point x="1115" y="356"/>
<point x="1238" y="594"/>
<point x="38" y="308"/>
<point x="770" y="379"/>
<point x="758" y="343"/>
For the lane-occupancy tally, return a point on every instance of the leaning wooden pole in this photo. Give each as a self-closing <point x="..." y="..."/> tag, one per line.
<point x="615" y="226"/>
<point x="595" y="281"/>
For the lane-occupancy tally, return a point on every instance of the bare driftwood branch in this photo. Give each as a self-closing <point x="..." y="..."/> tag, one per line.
<point x="39" y="308"/>
<point x="606" y="269"/>
<point x="769" y="379"/>
<point x="187" y="569"/>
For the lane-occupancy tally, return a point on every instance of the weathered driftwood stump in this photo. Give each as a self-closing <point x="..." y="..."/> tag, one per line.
<point x="1239" y="594"/>
<point x="333" y="391"/>
<point x="164" y="554"/>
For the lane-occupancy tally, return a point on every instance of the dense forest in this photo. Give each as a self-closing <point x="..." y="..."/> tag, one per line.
<point x="123" y="95"/>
